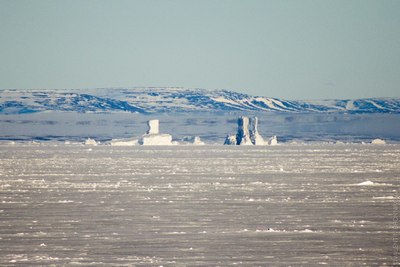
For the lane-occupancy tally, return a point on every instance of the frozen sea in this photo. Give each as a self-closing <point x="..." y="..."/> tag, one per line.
<point x="288" y="205"/>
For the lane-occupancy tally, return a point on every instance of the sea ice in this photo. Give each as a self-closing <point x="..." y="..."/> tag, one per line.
<point x="156" y="200"/>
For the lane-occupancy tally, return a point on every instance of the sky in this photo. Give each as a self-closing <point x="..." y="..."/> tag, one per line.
<point x="286" y="49"/>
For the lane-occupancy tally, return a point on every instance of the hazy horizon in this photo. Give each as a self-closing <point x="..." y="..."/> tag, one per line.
<point x="189" y="88"/>
<point x="293" y="50"/>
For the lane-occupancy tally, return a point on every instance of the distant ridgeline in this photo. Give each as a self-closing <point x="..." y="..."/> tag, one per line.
<point x="155" y="99"/>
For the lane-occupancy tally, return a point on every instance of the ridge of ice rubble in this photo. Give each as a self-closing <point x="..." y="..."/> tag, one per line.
<point x="378" y="142"/>
<point x="193" y="140"/>
<point x="91" y="142"/>
<point x="366" y="183"/>
<point x="273" y="141"/>
<point x="244" y="136"/>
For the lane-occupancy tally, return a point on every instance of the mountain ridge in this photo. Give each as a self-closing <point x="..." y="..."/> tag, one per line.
<point x="175" y="99"/>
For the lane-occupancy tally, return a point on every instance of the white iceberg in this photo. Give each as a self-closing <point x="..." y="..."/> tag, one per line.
<point x="244" y="136"/>
<point x="255" y="137"/>
<point x="153" y="137"/>
<point x="230" y="140"/>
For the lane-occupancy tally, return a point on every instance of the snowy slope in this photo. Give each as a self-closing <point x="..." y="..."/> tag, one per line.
<point x="155" y="99"/>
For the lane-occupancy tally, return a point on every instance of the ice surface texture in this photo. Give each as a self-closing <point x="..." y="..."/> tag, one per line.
<point x="285" y="205"/>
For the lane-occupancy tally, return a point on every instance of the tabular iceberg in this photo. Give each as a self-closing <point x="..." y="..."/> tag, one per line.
<point x="153" y="137"/>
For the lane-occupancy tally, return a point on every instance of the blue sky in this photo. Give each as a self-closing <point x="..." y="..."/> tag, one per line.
<point x="286" y="49"/>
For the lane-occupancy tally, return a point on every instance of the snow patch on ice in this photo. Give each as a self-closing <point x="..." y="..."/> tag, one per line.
<point x="384" y="197"/>
<point x="156" y="140"/>
<point x="193" y="140"/>
<point x="366" y="183"/>
<point x="306" y="231"/>
<point x="124" y="142"/>
<point x="269" y="230"/>
<point x="153" y="127"/>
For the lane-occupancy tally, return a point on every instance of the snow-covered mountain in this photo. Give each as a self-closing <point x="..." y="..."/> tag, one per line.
<point x="156" y="99"/>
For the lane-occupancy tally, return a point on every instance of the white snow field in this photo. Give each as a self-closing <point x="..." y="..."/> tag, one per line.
<point x="286" y="205"/>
